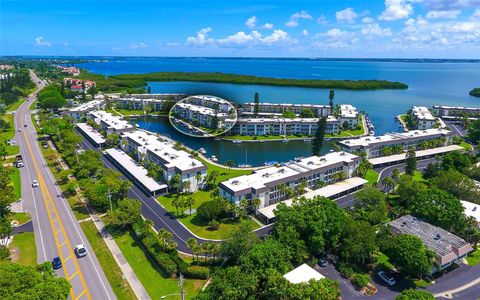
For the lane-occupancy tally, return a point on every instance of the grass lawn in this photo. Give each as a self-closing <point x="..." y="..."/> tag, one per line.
<point x="382" y="262"/>
<point x="9" y="134"/>
<point x="466" y="145"/>
<point x="418" y="176"/>
<point x="17" y="185"/>
<point x="371" y="176"/>
<point x="24" y="243"/>
<point x="474" y="258"/>
<point x="120" y="286"/>
<point x="195" y="223"/>
<point x="78" y="208"/>
<point x="422" y="283"/>
<point x="16" y="105"/>
<point x="21" y="217"/>
<point x="149" y="274"/>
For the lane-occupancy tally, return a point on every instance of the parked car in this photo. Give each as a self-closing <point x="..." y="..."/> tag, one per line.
<point x="35" y="183"/>
<point x="80" y="250"/>
<point x="25" y="125"/>
<point x="19" y="164"/>
<point x="388" y="279"/>
<point x="56" y="263"/>
<point x="322" y="262"/>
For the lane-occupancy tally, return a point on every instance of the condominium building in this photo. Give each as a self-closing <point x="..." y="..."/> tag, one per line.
<point x="109" y="122"/>
<point x="80" y="111"/>
<point x="213" y="102"/>
<point x="423" y="117"/>
<point x="372" y="145"/>
<point x="282" y="126"/>
<point x="448" y="248"/>
<point x="347" y="114"/>
<point x="78" y="85"/>
<point x="456" y="112"/>
<point x="148" y="146"/>
<point x="279" y="108"/>
<point x="269" y="184"/>
<point x="140" y="101"/>
<point x="199" y="115"/>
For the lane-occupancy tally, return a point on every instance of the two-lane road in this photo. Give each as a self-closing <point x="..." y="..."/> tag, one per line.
<point x="56" y="229"/>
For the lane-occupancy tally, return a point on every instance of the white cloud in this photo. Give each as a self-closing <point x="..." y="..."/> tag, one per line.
<point x="138" y="45"/>
<point x="347" y="15"/>
<point x="336" y="38"/>
<point x="322" y="20"/>
<point x="239" y="38"/>
<point x="368" y="20"/>
<point x="375" y="29"/>
<point x="396" y="10"/>
<point x="476" y="13"/>
<point x="201" y="38"/>
<point x="293" y="21"/>
<point x="267" y="26"/>
<point x="305" y="32"/>
<point x="443" y="14"/>
<point x="277" y="36"/>
<point x="450" y="4"/>
<point x="40" y="41"/>
<point x="251" y="22"/>
<point x="244" y="39"/>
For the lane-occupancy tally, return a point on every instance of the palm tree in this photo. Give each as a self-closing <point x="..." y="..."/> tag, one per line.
<point x="177" y="201"/>
<point x="388" y="183"/>
<point x="198" y="178"/>
<point x="191" y="244"/>
<point x="190" y="202"/>
<point x="229" y="163"/>
<point x="256" y="203"/>
<point x="186" y="185"/>
<point x="395" y="174"/>
<point x="196" y="250"/>
<point x="205" y="249"/>
<point x="244" y="204"/>
<point x="164" y="236"/>
<point x="215" y="250"/>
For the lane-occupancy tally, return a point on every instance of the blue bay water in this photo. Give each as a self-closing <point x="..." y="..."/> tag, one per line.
<point x="445" y="83"/>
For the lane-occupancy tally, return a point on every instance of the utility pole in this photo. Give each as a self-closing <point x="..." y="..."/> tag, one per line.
<point x="180" y="284"/>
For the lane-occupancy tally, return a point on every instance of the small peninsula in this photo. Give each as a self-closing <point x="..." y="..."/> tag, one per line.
<point x="475" y="92"/>
<point x="249" y="79"/>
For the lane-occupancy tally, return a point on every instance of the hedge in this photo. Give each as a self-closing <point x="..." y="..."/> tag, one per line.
<point x="360" y="280"/>
<point x="197" y="272"/>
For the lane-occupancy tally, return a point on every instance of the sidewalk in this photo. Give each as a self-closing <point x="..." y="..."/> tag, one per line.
<point x="112" y="246"/>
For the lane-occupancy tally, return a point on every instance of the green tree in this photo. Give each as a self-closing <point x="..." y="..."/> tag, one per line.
<point x="389" y="183"/>
<point x="317" y="142"/>
<point x="127" y="212"/>
<point x="331" y="97"/>
<point x="230" y="283"/>
<point x="164" y="236"/>
<point x="370" y="205"/>
<point x="358" y="242"/>
<point x="190" y="201"/>
<point x="410" y="256"/>
<point x="411" y="162"/>
<point x="414" y="294"/>
<point x="266" y="256"/>
<point x="113" y="140"/>
<point x="230" y="163"/>
<point x="307" y="113"/>
<point x="240" y="241"/>
<point x="25" y="282"/>
<point x="176" y="183"/>
<point x="474" y="131"/>
<point x="256" y="100"/>
<point x="209" y="210"/>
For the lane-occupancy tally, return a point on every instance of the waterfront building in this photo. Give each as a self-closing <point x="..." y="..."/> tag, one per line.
<point x="140" y="101"/>
<point x="374" y="146"/>
<point x="279" y="108"/>
<point x="282" y="126"/>
<point x="73" y="71"/>
<point x="347" y="114"/>
<point x="447" y="247"/>
<point x="81" y="110"/>
<point x="199" y="115"/>
<point x="91" y="134"/>
<point x="423" y="117"/>
<point x="270" y="185"/>
<point x="147" y="146"/>
<point x="456" y="112"/>
<point x="212" y="102"/>
<point x="78" y="84"/>
<point x="109" y="122"/>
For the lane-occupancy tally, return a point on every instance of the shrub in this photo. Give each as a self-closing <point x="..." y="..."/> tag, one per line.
<point x="360" y="280"/>
<point x="197" y="272"/>
<point x="345" y="271"/>
<point x="166" y="263"/>
<point x="213" y="225"/>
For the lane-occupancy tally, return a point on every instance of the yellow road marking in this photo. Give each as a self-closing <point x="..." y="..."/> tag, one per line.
<point x="67" y="258"/>
<point x="47" y="198"/>
<point x="81" y="294"/>
<point x="63" y="244"/>
<point x="73" y="275"/>
<point x="60" y="230"/>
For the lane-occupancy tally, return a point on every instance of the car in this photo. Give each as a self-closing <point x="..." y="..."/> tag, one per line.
<point x="25" y="125"/>
<point x="322" y="262"/>
<point x="56" y="263"/>
<point x="80" y="250"/>
<point x="388" y="279"/>
<point x="35" y="183"/>
<point x="19" y="164"/>
<point x="45" y="145"/>
<point x="19" y="130"/>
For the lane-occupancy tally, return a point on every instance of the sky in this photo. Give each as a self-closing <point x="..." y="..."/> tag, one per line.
<point x="321" y="28"/>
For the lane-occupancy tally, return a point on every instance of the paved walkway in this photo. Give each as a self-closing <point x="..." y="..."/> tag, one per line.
<point x="112" y="246"/>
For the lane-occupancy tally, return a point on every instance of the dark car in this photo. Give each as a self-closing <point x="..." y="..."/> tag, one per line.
<point x="322" y="262"/>
<point x="56" y="263"/>
<point x="25" y="125"/>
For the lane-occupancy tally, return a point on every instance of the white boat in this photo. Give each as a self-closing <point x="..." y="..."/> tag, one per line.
<point x="202" y="150"/>
<point x="284" y="141"/>
<point x="307" y="139"/>
<point x="244" y="166"/>
<point x="214" y="158"/>
<point x="237" y="142"/>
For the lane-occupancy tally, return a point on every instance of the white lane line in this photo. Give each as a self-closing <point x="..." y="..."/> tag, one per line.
<point x="72" y="218"/>
<point x="34" y="201"/>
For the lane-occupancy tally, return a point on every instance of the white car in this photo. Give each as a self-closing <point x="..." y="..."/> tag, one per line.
<point x="80" y="250"/>
<point x="386" y="278"/>
<point x="35" y="183"/>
